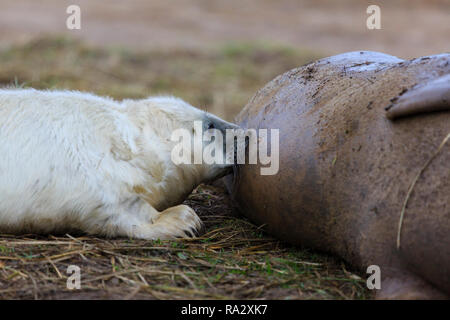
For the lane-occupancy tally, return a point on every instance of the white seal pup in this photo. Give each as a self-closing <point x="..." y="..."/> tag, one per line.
<point x="75" y="161"/>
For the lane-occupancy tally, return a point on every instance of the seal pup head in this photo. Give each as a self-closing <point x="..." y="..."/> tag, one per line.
<point x="195" y="141"/>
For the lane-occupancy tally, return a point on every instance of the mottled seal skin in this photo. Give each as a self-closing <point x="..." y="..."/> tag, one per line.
<point x="355" y="131"/>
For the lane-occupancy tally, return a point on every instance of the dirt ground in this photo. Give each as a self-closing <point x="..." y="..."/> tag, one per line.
<point x="409" y="28"/>
<point x="233" y="260"/>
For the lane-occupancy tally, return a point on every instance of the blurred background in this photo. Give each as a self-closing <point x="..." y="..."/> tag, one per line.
<point x="213" y="53"/>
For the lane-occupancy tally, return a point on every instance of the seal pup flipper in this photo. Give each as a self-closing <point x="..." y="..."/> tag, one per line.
<point x="137" y="219"/>
<point x="433" y="96"/>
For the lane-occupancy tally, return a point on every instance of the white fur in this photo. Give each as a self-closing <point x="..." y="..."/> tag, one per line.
<point x="76" y="161"/>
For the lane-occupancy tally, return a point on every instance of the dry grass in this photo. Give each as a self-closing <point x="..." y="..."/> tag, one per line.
<point x="233" y="259"/>
<point x="221" y="80"/>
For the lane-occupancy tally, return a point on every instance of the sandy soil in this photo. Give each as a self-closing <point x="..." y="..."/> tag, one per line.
<point x="409" y="28"/>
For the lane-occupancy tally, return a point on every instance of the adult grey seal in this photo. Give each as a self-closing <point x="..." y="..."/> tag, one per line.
<point x="364" y="169"/>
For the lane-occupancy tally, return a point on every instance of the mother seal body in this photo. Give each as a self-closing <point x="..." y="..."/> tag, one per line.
<point x="370" y="185"/>
<point x="75" y="161"/>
